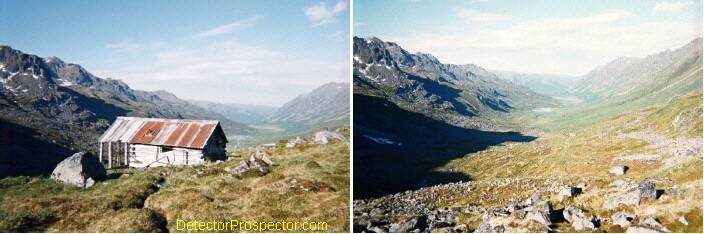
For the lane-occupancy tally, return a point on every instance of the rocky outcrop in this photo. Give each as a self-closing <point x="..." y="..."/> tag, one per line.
<point x="323" y="137"/>
<point x="80" y="169"/>
<point x="632" y="197"/>
<point x="257" y="165"/>
<point x="295" y="142"/>
<point x="531" y="216"/>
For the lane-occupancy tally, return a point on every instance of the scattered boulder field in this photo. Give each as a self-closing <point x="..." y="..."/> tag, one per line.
<point x="540" y="204"/>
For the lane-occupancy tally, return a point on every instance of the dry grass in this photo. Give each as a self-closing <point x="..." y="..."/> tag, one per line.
<point x="134" y="202"/>
<point x="216" y="195"/>
<point x="586" y="155"/>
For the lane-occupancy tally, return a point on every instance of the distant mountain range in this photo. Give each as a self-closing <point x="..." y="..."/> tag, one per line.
<point x="463" y="95"/>
<point x="413" y="113"/>
<point x="629" y="84"/>
<point x="657" y="76"/>
<point x="416" y="113"/>
<point x="244" y="113"/>
<point x="541" y="83"/>
<point x="328" y="105"/>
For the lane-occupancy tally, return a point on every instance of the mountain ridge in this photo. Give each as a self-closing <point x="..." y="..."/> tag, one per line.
<point x="61" y="105"/>
<point x="325" y="105"/>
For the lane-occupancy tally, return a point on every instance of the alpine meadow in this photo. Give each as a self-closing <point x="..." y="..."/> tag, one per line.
<point x="174" y="116"/>
<point x="533" y="116"/>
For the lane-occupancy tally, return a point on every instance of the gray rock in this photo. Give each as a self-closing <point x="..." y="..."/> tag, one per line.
<point x="377" y="212"/>
<point x="536" y="197"/>
<point x="638" y="229"/>
<point x="323" y="137"/>
<point x="379" y="229"/>
<point x="619" y="183"/>
<point x="580" y="224"/>
<point x="647" y="189"/>
<point x="80" y="169"/>
<point x="263" y="156"/>
<point x="648" y="225"/>
<point x="295" y="142"/>
<point x="415" y="223"/>
<point x="569" y="192"/>
<point x="540" y="213"/>
<point x="618" y="170"/>
<point x="630" y="198"/>
<point x="496" y="211"/>
<point x="576" y="217"/>
<point x="462" y="228"/>
<point x="622" y="219"/>
<point x="252" y="165"/>
<point x="683" y="220"/>
<point x="484" y="227"/>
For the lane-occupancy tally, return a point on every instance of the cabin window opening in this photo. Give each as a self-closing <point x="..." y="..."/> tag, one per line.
<point x="166" y="149"/>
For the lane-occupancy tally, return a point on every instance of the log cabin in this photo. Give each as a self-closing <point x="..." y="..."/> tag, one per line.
<point x="152" y="142"/>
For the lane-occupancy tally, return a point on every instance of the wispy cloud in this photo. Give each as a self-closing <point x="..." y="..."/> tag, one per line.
<point x="557" y="45"/>
<point x="480" y="17"/>
<point x="671" y="6"/>
<point x="228" y="71"/>
<point x="227" y="28"/>
<point x="321" y="14"/>
<point x="125" y="45"/>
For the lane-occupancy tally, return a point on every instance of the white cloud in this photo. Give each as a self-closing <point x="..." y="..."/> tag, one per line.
<point x="228" y="28"/>
<point x="481" y="17"/>
<point x="671" y="6"/>
<point x="321" y="14"/>
<point x="570" y="46"/>
<point x="126" y="45"/>
<point x="228" y="71"/>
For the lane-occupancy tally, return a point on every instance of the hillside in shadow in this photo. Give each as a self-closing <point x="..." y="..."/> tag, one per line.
<point x="397" y="150"/>
<point x="23" y="151"/>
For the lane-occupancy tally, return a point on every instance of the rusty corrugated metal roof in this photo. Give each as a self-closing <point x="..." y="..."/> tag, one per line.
<point x="170" y="132"/>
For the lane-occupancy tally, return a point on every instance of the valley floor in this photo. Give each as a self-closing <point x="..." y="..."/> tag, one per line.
<point x="662" y="144"/>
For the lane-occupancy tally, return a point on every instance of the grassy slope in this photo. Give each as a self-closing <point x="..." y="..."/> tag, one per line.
<point x="687" y="79"/>
<point x="133" y="202"/>
<point x="587" y="155"/>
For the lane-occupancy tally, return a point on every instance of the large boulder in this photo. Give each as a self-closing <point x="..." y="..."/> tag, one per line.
<point x="323" y="137"/>
<point x="81" y="169"/>
<point x="630" y="198"/>
<point x="540" y="213"/>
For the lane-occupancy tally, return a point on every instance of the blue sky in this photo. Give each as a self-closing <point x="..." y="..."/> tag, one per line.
<point x="531" y="36"/>
<point x="255" y="52"/>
